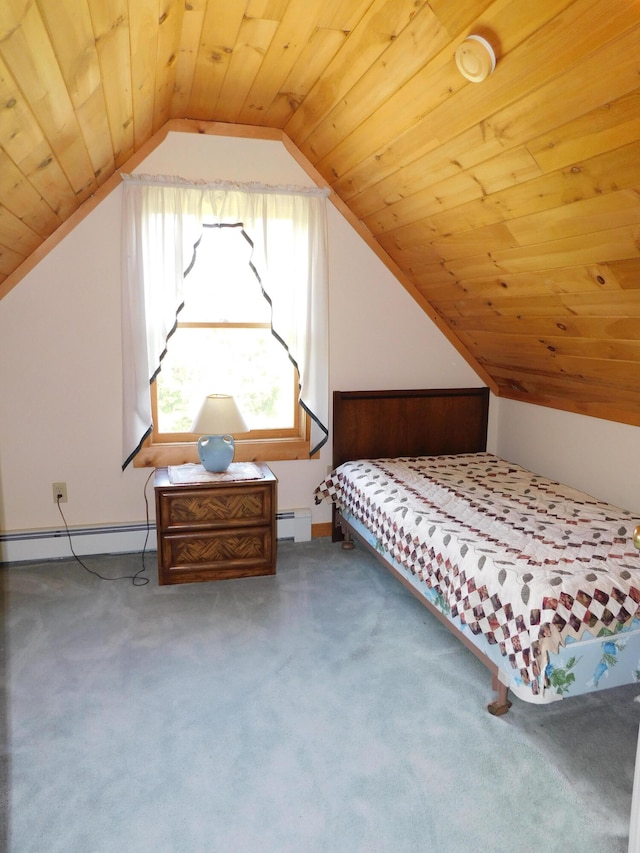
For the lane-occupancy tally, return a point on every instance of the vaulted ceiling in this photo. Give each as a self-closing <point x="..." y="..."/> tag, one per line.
<point x="510" y="208"/>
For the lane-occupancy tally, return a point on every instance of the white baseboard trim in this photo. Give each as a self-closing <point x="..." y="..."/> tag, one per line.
<point x="53" y="544"/>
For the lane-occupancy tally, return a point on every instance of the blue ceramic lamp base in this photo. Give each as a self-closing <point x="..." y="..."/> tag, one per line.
<point x="216" y="452"/>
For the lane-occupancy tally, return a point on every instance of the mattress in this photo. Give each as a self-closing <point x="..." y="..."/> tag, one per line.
<point x="526" y="565"/>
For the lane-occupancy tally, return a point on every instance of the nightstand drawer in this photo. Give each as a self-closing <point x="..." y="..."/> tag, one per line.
<point x="220" y="507"/>
<point x="215" y="555"/>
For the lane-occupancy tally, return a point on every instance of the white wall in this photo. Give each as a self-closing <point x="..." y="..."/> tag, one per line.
<point x="591" y="454"/>
<point x="60" y="363"/>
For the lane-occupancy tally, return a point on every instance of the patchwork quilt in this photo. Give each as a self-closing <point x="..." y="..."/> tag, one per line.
<point x="527" y="562"/>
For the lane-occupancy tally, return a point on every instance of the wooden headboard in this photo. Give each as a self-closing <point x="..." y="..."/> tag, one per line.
<point x="378" y="424"/>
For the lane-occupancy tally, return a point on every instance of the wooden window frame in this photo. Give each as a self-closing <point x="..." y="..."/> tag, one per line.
<point x="154" y="455"/>
<point x="162" y="449"/>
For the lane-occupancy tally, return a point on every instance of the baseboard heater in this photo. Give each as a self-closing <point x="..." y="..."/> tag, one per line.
<point x="53" y="544"/>
<point x="294" y="524"/>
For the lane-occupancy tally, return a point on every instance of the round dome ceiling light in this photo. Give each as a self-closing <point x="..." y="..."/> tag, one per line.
<point x="475" y="59"/>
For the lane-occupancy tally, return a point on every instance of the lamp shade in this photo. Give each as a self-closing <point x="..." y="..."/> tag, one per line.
<point x="219" y="414"/>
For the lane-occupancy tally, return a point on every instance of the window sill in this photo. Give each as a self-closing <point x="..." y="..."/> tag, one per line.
<point x="180" y="453"/>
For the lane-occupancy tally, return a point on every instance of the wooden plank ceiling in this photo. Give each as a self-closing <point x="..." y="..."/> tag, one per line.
<point x="511" y="206"/>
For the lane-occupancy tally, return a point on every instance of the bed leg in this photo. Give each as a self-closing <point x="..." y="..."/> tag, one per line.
<point x="347" y="543"/>
<point x="500" y="704"/>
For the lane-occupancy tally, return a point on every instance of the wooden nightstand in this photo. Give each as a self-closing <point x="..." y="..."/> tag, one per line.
<point x="218" y="526"/>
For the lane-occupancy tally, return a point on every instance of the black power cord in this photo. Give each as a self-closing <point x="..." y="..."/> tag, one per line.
<point x="135" y="579"/>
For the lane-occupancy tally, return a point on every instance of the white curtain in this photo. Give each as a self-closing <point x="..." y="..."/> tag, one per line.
<point x="162" y="221"/>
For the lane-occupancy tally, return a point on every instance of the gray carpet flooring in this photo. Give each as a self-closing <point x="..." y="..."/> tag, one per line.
<point x="322" y="709"/>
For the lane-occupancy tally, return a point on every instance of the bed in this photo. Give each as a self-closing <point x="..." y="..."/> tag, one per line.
<point x="540" y="581"/>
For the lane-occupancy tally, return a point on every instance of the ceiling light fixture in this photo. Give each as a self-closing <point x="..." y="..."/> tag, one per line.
<point x="475" y="59"/>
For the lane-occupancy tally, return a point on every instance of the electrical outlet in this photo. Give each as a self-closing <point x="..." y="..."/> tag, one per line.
<point x="59" y="493"/>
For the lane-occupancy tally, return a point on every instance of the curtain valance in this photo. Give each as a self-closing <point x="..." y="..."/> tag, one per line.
<point x="238" y="186"/>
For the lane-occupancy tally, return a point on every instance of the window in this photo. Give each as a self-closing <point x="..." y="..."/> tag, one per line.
<point x="227" y="326"/>
<point x="223" y="343"/>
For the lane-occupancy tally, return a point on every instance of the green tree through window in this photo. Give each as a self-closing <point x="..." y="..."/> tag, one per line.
<point x="223" y="344"/>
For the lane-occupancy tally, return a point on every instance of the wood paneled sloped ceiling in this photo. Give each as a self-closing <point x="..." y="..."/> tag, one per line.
<point x="511" y="207"/>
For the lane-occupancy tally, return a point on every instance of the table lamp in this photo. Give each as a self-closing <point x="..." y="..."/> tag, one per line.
<point x="218" y="417"/>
